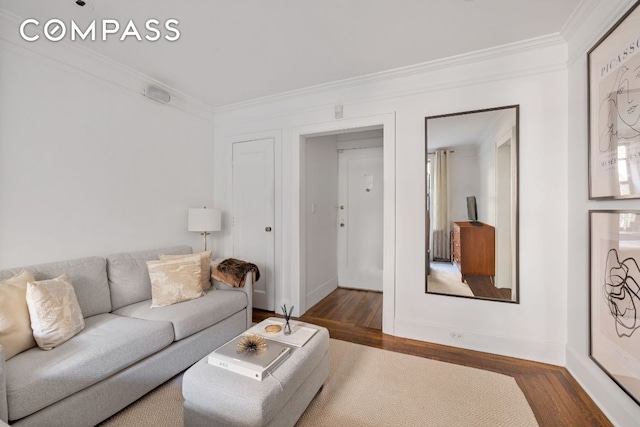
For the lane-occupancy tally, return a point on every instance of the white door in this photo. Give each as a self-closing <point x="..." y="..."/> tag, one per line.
<point x="253" y="214"/>
<point x="360" y="211"/>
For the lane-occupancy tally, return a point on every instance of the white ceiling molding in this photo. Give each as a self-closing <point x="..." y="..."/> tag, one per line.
<point x="416" y="79"/>
<point x="571" y="31"/>
<point x="578" y="17"/>
<point x="427" y="67"/>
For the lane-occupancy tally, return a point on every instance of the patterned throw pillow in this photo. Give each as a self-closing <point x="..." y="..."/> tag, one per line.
<point x="16" y="335"/>
<point x="54" y="311"/>
<point x="205" y="266"/>
<point x="175" y="280"/>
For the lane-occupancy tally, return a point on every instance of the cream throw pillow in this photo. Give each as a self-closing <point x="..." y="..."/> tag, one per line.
<point x="54" y="311"/>
<point x="15" y="327"/>
<point x="175" y="280"/>
<point x="205" y="266"/>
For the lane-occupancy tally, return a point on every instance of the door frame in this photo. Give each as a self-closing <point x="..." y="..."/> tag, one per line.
<point x="276" y="135"/>
<point x="298" y="219"/>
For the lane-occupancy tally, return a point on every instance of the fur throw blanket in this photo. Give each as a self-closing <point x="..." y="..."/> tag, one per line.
<point x="234" y="271"/>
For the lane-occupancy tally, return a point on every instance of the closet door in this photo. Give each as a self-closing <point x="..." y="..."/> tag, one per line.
<point x="253" y="214"/>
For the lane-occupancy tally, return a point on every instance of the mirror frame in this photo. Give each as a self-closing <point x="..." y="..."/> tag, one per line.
<point x="516" y="261"/>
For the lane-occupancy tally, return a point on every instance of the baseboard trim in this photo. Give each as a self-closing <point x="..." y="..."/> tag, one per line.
<point x="538" y="351"/>
<point x="321" y="292"/>
<point x="610" y="398"/>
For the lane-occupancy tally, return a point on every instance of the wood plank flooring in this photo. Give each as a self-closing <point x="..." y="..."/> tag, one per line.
<point x="481" y="286"/>
<point x="554" y="395"/>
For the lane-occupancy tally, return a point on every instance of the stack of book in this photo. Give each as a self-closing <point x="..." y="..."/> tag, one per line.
<point x="253" y="364"/>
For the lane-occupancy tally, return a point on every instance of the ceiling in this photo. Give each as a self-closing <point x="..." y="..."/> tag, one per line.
<point x="465" y="129"/>
<point x="233" y="51"/>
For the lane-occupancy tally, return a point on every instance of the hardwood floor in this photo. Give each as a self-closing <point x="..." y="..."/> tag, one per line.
<point x="481" y="286"/>
<point x="554" y="395"/>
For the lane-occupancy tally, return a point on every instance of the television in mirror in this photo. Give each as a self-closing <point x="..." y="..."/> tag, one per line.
<point x="472" y="209"/>
<point x="471" y="215"/>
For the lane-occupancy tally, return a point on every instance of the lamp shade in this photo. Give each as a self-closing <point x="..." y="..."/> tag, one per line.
<point x="204" y="220"/>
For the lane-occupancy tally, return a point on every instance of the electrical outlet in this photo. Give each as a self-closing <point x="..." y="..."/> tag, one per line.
<point x="456" y="335"/>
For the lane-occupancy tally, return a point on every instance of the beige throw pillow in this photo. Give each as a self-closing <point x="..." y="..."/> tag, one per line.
<point x="205" y="266"/>
<point x="15" y="327"/>
<point x="54" y="311"/>
<point x="175" y="280"/>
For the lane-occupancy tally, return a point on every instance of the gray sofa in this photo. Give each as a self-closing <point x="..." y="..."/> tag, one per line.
<point x="126" y="348"/>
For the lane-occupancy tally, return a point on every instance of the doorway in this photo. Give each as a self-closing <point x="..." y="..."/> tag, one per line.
<point x="299" y="264"/>
<point x="343" y="213"/>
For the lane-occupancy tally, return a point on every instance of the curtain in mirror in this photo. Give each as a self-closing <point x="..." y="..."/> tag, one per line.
<point x="441" y="216"/>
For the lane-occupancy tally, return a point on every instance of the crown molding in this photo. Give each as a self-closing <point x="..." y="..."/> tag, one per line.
<point x="580" y="17"/>
<point x="295" y="102"/>
<point x="425" y="67"/>
<point x="75" y="58"/>
<point x="229" y="119"/>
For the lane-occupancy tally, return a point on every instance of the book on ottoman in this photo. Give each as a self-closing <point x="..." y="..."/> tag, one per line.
<point x="253" y="364"/>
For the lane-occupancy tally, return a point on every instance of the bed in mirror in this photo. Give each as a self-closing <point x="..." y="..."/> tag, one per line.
<point x="471" y="214"/>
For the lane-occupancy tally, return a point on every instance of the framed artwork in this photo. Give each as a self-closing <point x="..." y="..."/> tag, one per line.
<point x="614" y="111"/>
<point x="614" y="296"/>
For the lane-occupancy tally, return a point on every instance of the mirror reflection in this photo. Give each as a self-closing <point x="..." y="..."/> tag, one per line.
<point x="471" y="213"/>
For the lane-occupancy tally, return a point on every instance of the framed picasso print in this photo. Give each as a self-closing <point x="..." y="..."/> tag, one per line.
<point x="614" y="296"/>
<point x="614" y="111"/>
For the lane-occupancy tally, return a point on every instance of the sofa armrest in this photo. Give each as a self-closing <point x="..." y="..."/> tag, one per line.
<point x="247" y="290"/>
<point x="4" y="409"/>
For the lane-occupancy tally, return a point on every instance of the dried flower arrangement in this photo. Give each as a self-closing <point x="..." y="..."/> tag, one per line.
<point x="251" y="344"/>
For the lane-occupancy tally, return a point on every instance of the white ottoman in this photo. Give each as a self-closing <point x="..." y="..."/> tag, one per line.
<point x="216" y="397"/>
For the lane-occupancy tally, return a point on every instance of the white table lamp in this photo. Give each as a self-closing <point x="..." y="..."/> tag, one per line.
<point x="204" y="221"/>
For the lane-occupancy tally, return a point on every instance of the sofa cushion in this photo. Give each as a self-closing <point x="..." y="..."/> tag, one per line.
<point x="189" y="317"/>
<point x="87" y="275"/>
<point x="205" y="266"/>
<point x="54" y="311"/>
<point x="108" y="344"/>
<point x="175" y="280"/>
<point x="15" y="327"/>
<point x="129" y="277"/>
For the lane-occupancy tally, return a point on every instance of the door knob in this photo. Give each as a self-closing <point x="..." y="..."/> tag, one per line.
<point x="342" y="224"/>
<point x="267" y="229"/>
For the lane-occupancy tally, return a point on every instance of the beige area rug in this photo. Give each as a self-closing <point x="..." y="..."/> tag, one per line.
<point x="444" y="278"/>
<point x="372" y="387"/>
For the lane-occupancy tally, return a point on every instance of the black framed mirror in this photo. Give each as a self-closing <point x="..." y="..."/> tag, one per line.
<point x="471" y="212"/>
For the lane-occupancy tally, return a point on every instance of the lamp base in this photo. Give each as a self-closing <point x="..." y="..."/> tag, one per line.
<point x="205" y="234"/>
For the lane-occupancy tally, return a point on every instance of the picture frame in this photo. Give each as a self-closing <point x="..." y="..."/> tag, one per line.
<point x="614" y="296"/>
<point x="613" y="68"/>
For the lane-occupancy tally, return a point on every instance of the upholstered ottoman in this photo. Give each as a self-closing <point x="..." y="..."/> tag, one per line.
<point x="217" y="397"/>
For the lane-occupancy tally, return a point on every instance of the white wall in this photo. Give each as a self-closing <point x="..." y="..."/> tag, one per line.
<point x="90" y="166"/>
<point x="464" y="180"/>
<point x="533" y="75"/>
<point x="321" y="200"/>
<point x="619" y="407"/>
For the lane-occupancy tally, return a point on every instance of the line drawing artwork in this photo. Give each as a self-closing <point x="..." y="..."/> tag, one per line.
<point x="619" y="110"/>
<point x="622" y="292"/>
